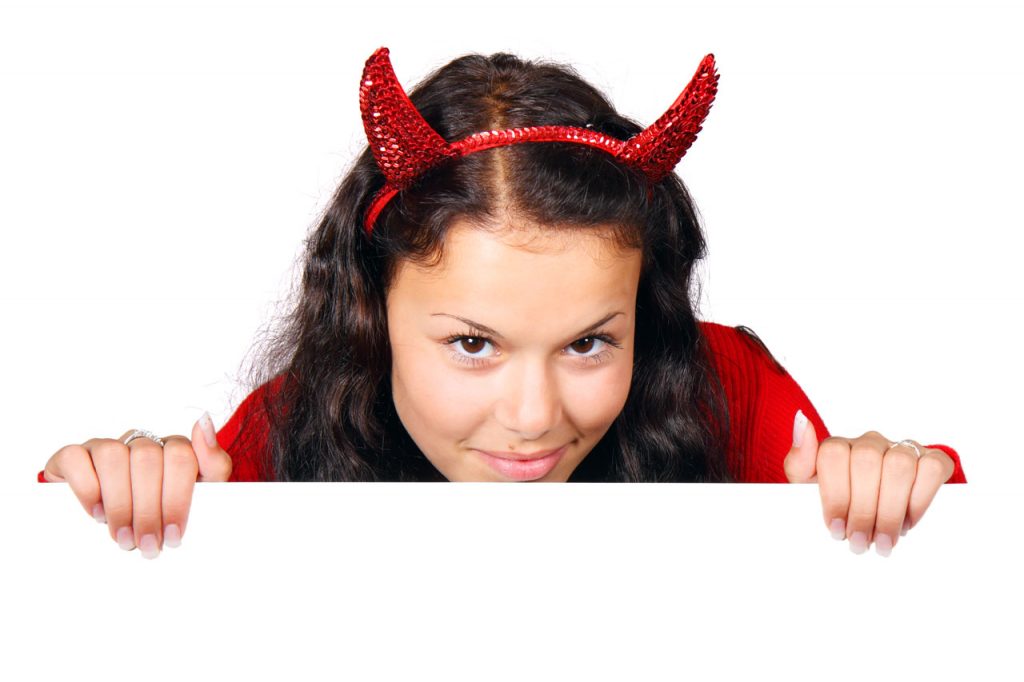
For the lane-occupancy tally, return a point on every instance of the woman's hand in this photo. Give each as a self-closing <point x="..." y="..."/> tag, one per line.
<point x="870" y="489"/>
<point x="141" y="490"/>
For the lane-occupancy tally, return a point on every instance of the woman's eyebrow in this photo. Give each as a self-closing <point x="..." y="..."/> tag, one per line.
<point x="487" y="330"/>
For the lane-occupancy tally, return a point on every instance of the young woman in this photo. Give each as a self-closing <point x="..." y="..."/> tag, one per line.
<point x="501" y="289"/>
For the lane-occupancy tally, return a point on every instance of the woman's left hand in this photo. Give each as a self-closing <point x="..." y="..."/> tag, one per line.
<point x="870" y="487"/>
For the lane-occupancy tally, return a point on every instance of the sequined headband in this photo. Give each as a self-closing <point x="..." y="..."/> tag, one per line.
<point x="406" y="147"/>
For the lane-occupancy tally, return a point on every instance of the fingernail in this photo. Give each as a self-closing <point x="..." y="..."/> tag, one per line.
<point x="906" y="526"/>
<point x="799" y="426"/>
<point x="883" y="544"/>
<point x="206" y="426"/>
<point x="859" y="542"/>
<point x="147" y="545"/>
<point x="125" y="538"/>
<point x="172" y="535"/>
<point x="838" y="528"/>
<point x="97" y="513"/>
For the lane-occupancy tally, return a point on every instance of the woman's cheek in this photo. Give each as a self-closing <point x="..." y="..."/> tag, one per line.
<point x="458" y="400"/>
<point x="602" y="397"/>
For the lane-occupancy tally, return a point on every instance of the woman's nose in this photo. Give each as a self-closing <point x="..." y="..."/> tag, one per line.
<point x="532" y="405"/>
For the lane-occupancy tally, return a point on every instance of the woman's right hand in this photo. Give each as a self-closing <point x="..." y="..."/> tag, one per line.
<point x="141" y="490"/>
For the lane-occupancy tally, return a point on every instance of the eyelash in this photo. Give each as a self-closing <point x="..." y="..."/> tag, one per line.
<point x="587" y="360"/>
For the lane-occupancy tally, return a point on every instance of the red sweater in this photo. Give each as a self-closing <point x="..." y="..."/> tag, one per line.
<point x="762" y="397"/>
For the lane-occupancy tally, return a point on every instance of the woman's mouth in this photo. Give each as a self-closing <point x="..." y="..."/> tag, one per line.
<point x="524" y="470"/>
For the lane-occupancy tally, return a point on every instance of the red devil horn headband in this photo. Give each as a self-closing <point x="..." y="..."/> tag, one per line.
<point x="405" y="146"/>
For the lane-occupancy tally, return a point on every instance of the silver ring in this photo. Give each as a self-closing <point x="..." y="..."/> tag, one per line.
<point x="909" y="444"/>
<point x="142" y="433"/>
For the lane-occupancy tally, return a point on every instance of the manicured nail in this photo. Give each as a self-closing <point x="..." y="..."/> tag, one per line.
<point x="859" y="542"/>
<point x="883" y="544"/>
<point x="838" y="528"/>
<point x="97" y="513"/>
<point x="906" y="526"/>
<point x="172" y="535"/>
<point x="125" y="538"/>
<point x="206" y="426"/>
<point x="147" y="545"/>
<point x="799" y="426"/>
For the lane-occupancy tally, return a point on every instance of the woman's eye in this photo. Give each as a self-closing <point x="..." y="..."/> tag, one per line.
<point x="468" y="348"/>
<point x="472" y="344"/>
<point x="586" y="346"/>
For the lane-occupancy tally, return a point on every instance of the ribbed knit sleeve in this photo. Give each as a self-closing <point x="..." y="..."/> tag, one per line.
<point x="763" y="400"/>
<point x="245" y="437"/>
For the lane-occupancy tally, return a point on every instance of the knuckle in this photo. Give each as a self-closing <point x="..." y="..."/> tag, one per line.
<point x="833" y="446"/>
<point x="888" y="523"/>
<point x="865" y="454"/>
<point x="72" y="464"/>
<point x="178" y="449"/>
<point x="108" y="448"/>
<point x="932" y="465"/>
<point x="181" y="457"/>
<point x="146" y="523"/>
<point x="68" y="455"/>
<point x="147" y="452"/>
<point x="867" y="448"/>
<point x="830" y="455"/>
<point x="70" y="449"/>
<point x="146" y="508"/>
<point x="118" y="512"/>
<point x="901" y="461"/>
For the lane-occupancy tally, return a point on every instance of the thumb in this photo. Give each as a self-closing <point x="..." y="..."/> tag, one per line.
<point x="800" y="464"/>
<point x="214" y="462"/>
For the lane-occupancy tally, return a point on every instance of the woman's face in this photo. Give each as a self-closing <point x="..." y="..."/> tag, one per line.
<point x="541" y="379"/>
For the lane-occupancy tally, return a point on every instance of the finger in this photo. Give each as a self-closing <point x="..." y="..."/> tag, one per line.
<point x="865" y="477"/>
<point x="52" y="468"/>
<point x="73" y="465"/>
<point x="146" y="462"/>
<point x="933" y="469"/>
<point x="214" y="462"/>
<point x="180" y="472"/>
<point x="834" y="484"/>
<point x="899" y="469"/>
<point x="110" y="458"/>
<point x="799" y="463"/>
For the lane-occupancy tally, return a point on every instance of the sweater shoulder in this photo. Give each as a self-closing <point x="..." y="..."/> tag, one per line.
<point x="733" y="348"/>
<point x="762" y="399"/>
<point x="245" y="436"/>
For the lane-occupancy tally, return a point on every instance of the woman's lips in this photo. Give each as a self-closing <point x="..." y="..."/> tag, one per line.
<point x="523" y="469"/>
<point x="520" y="457"/>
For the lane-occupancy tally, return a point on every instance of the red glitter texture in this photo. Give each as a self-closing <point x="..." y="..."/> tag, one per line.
<point x="405" y="146"/>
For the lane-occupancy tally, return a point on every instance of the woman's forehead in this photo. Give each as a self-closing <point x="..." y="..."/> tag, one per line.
<point x="524" y="248"/>
<point x="483" y="273"/>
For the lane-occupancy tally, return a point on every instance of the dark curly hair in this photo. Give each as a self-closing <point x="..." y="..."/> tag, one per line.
<point x="331" y="417"/>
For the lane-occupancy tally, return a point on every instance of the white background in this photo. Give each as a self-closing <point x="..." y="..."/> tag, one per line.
<point x="859" y="180"/>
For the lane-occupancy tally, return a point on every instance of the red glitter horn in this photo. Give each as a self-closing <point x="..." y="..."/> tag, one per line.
<point x="405" y="146"/>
